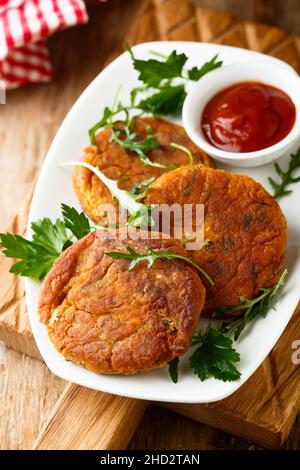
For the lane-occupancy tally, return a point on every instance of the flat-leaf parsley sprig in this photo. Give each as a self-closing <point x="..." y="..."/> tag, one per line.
<point x="173" y="369"/>
<point x="75" y="221"/>
<point x="163" y="96"/>
<point x="153" y="73"/>
<point x="49" y="240"/>
<point x="159" y="76"/>
<point x="215" y="356"/>
<point x="286" y="177"/>
<point x="152" y="255"/>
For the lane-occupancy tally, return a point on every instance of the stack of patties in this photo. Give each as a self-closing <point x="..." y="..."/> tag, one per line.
<point x="118" y="321"/>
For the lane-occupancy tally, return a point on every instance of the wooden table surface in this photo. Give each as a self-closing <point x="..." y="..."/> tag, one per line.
<point x="28" y="123"/>
<point x="281" y="13"/>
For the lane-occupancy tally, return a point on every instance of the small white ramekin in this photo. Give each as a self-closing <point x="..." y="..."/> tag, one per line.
<point x="202" y="91"/>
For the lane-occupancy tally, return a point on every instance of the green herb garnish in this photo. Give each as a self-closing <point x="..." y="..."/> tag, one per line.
<point x="140" y="147"/>
<point x="173" y="369"/>
<point x="140" y="213"/>
<point x="196" y="73"/>
<point x="215" y="356"/>
<point x="48" y="242"/>
<point x="152" y="256"/>
<point x="76" y="222"/>
<point x="257" y="307"/>
<point x="287" y="178"/>
<point x="185" y="150"/>
<point x="107" y="115"/>
<point x="153" y="72"/>
<point x="157" y="77"/>
<point x="140" y="190"/>
<point x="166" y="102"/>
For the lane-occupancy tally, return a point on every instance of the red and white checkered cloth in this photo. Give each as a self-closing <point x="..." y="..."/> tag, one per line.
<point x="23" y="26"/>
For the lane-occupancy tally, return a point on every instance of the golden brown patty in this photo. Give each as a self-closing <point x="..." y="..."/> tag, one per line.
<point x="245" y="231"/>
<point x="115" y="321"/>
<point x="125" y="167"/>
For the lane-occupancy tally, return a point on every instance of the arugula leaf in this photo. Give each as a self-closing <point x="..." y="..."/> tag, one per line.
<point x="150" y="256"/>
<point x="127" y="200"/>
<point x="215" y="357"/>
<point x="106" y="119"/>
<point x="287" y="178"/>
<point x="139" y="190"/>
<point x="107" y="114"/>
<point x="153" y="71"/>
<point x="196" y="73"/>
<point x="140" y="147"/>
<point x="77" y="222"/>
<point x="185" y="150"/>
<point x="258" y="307"/>
<point x="142" y="217"/>
<point x="173" y="369"/>
<point x="169" y="100"/>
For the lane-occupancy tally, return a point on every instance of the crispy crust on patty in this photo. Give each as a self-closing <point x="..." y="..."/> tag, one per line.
<point x="125" y="167"/>
<point x="245" y="231"/>
<point x="114" y="321"/>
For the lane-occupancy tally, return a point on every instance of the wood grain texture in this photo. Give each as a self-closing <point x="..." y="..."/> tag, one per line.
<point x="264" y="409"/>
<point x="15" y="328"/>
<point x="180" y="20"/>
<point x="281" y="13"/>
<point x="31" y="392"/>
<point x="99" y="421"/>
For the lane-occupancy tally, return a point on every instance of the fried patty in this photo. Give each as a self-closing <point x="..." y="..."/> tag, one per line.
<point x="244" y="229"/>
<point x="126" y="167"/>
<point x="115" y="321"/>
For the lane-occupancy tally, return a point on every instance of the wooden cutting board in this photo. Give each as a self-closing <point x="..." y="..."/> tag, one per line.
<point x="265" y="408"/>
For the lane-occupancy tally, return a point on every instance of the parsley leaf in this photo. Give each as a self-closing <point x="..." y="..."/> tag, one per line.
<point x="196" y="73"/>
<point x="37" y="256"/>
<point x="158" y="75"/>
<point x="287" y="178"/>
<point x="150" y="256"/>
<point x="35" y="262"/>
<point x="173" y="369"/>
<point x="77" y="222"/>
<point x="153" y="71"/>
<point x="167" y="101"/>
<point x="215" y="357"/>
<point x="50" y="236"/>
<point x="49" y="240"/>
<point x="257" y="307"/>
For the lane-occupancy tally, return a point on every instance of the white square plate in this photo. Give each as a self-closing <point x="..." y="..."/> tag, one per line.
<point x="55" y="186"/>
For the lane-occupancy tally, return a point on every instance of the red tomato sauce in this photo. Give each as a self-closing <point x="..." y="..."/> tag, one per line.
<point x="248" y="116"/>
